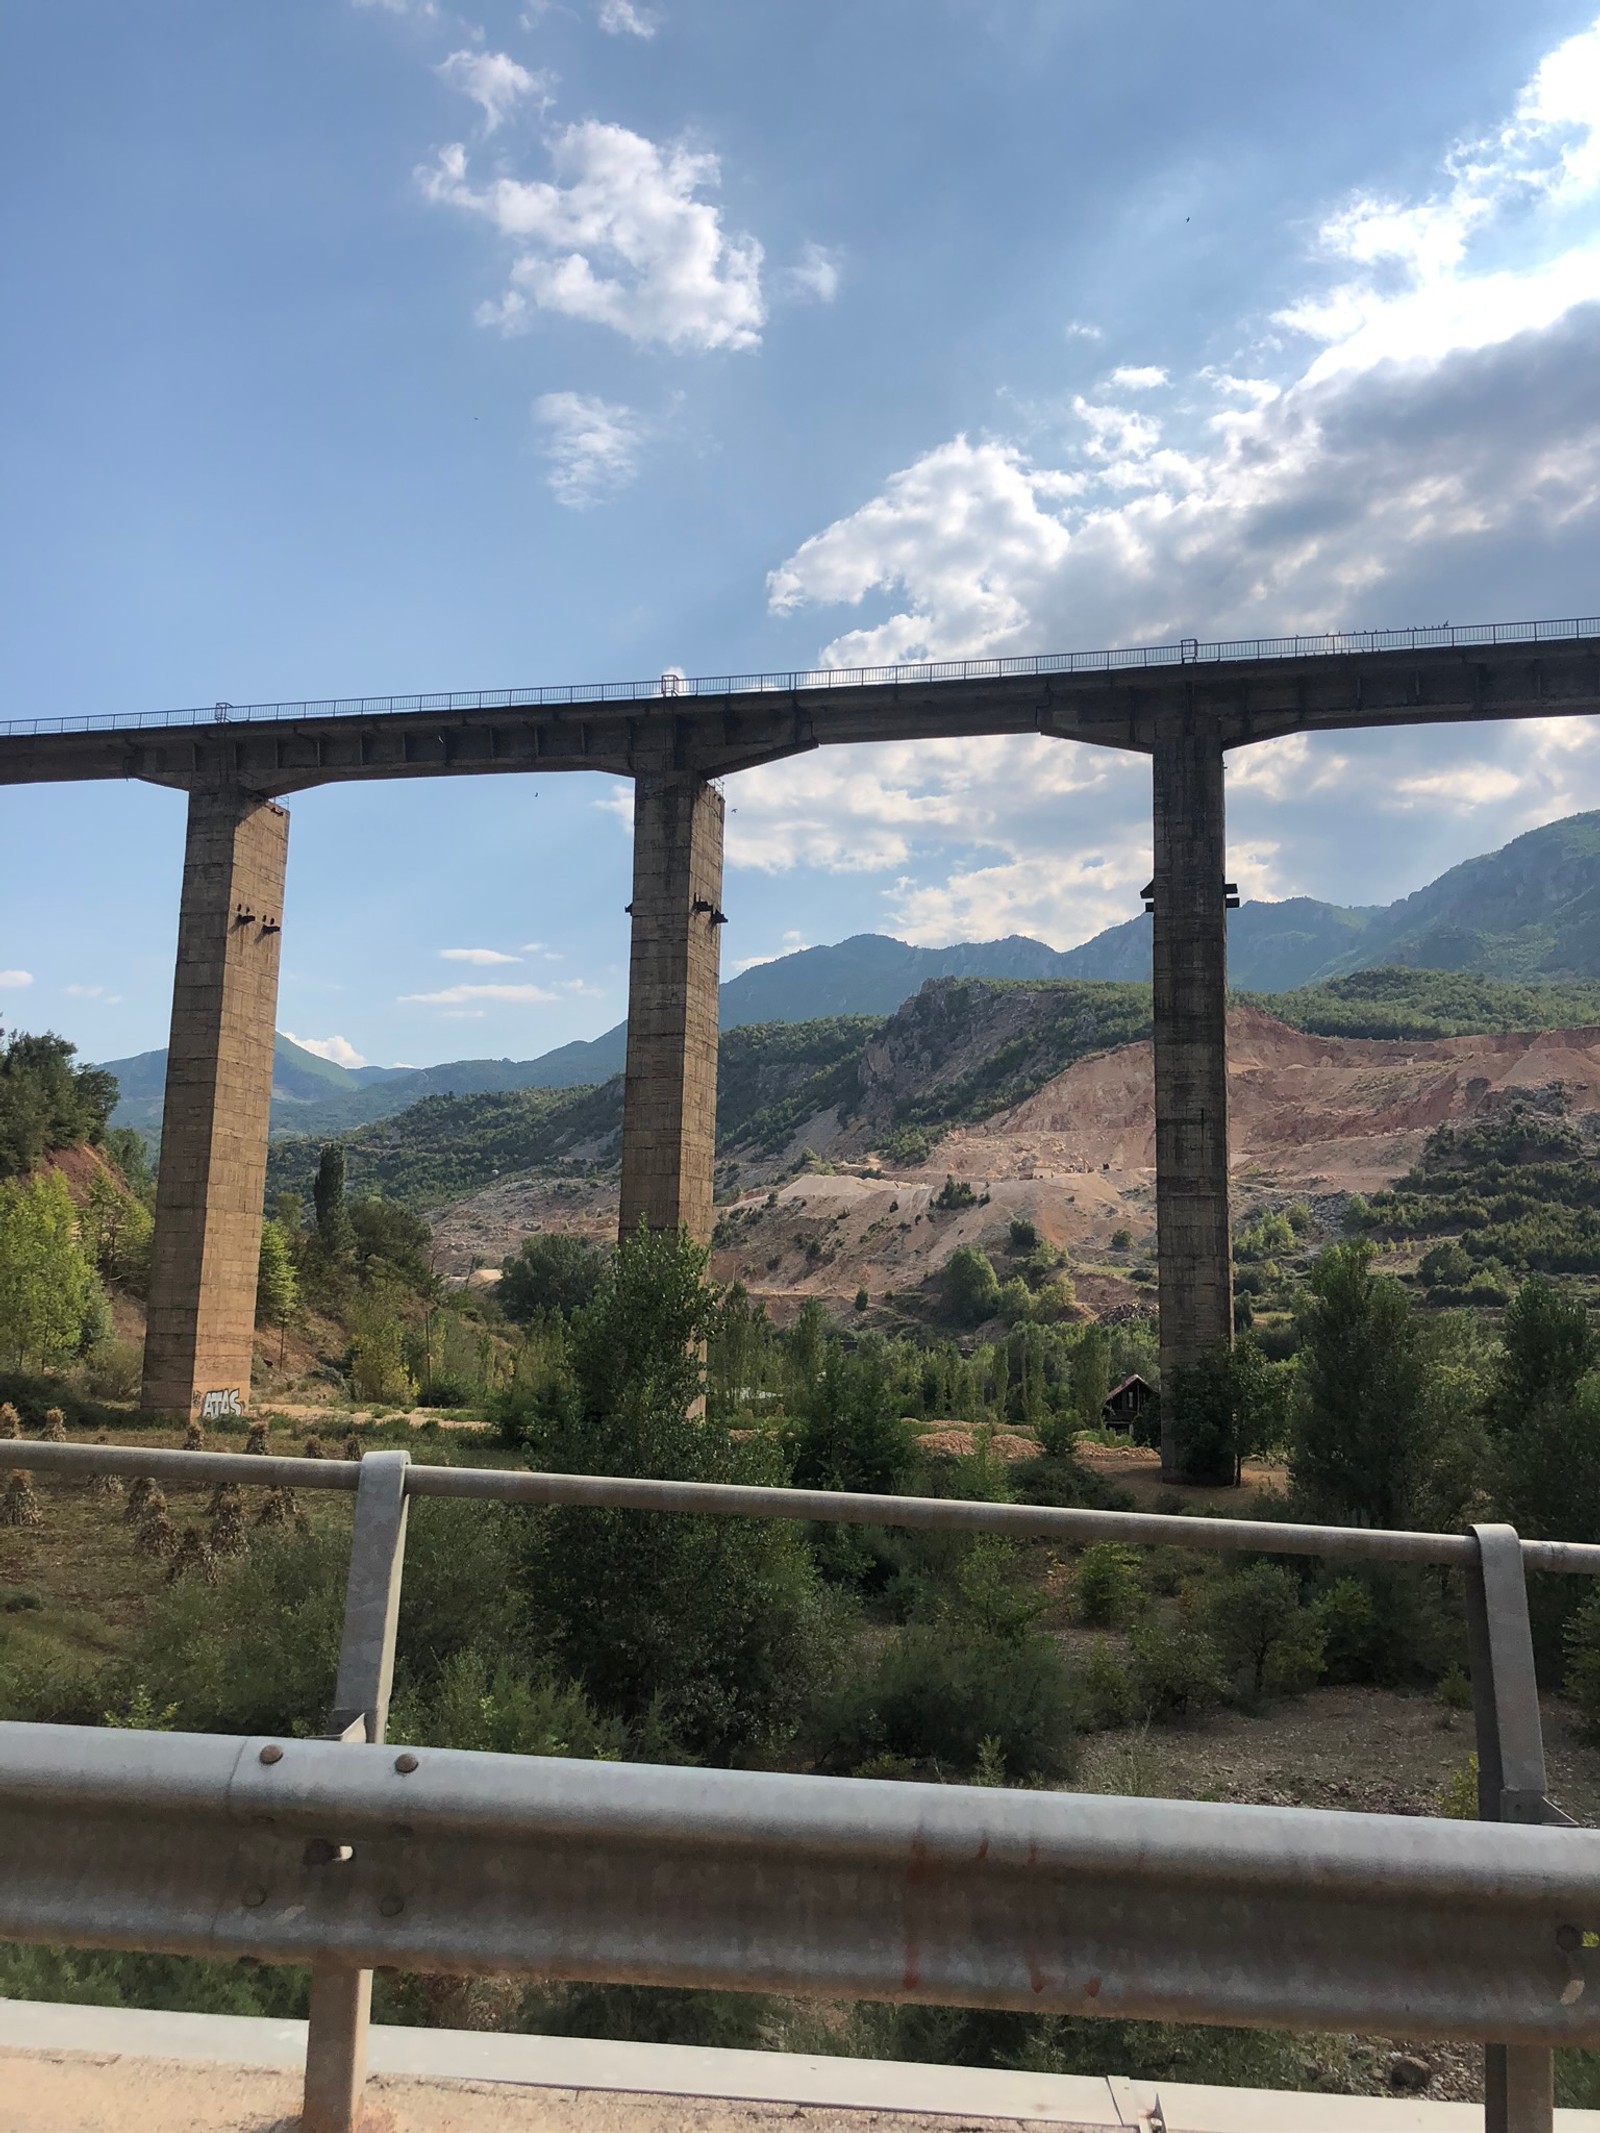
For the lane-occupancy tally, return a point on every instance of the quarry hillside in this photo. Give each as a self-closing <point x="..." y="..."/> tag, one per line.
<point x="1527" y="914"/>
<point x="836" y="1138"/>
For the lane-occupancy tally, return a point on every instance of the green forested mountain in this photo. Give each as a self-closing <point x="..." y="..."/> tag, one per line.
<point x="1527" y="915"/>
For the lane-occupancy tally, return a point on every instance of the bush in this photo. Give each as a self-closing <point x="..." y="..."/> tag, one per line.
<point x="503" y="1706"/>
<point x="1348" y="1620"/>
<point x="971" y="1290"/>
<point x="1107" y="1585"/>
<point x="112" y="1369"/>
<point x="1022" y="1236"/>
<point x="1106" y="1697"/>
<point x="1122" y="1240"/>
<point x="1262" y="1630"/>
<point x="927" y="1705"/>
<point x="549" y="1273"/>
<point x="1177" y="1673"/>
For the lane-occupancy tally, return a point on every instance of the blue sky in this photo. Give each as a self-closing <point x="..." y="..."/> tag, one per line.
<point x="367" y="345"/>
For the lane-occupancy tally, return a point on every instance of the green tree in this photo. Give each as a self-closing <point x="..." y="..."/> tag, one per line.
<point x="807" y="1343"/>
<point x="1361" y="1421"/>
<point x="742" y="1355"/>
<point x="711" y="1628"/>
<point x="970" y="1287"/>
<point x="1547" y="1348"/>
<point x="116" y="1230"/>
<point x="1231" y="1406"/>
<point x="50" y="1301"/>
<point x="1262" y="1629"/>
<point x="378" y="1342"/>
<point x="1547" y="1477"/>
<point x="327" y="1194"/>
<point x="1089" y="1375"/>
<point x="848" y="1434"/>
<point x="277" y="1287"/>
<point x="549" y="1272"/>
<point x="390" y="1237"/>
<point x="46" y="1102"/>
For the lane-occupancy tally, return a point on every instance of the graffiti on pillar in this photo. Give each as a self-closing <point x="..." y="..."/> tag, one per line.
<point x="217" y="1406"/>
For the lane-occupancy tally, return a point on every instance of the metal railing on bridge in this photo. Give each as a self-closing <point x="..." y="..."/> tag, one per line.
<point x="435" y="1859"/>
<point x="1187" y="651"/>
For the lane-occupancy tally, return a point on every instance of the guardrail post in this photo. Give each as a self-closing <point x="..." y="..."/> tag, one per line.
<point x="1518" y="2083"/>
<point x="341" y="2000"/>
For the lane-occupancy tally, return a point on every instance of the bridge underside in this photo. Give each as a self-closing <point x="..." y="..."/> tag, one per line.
<point x="1183" y="715"/>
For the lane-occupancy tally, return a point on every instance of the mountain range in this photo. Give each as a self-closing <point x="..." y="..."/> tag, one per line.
<point x="1530" y="911"/>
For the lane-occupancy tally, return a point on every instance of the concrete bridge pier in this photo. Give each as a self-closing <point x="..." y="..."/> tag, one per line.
<point x="207" y="1245"/>
<point x="669" y="1118"/>
<point x="1194" y="1236"/>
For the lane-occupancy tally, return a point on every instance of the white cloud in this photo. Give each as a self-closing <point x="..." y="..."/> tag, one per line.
<point x="592" y="445"/>
<point x="621" y="238"/>
<point x="338" y="1049"/>
<point x="1138" y="378"/>
<point x="424" y="10"/>
<point x="1077" y="329"/>
<point x="583" y="988"/>
<point x="1444" y="430"/>
<point x="1056" y="815"/>
<point x="814" y="277"/>
<point x="495" y="83"/>
<point x="14" y="980"/>
<point x="475" y="955"/>
<point x="458" y="995"/>
<point x="91" y="992"/>
<point x="621" y="18"/>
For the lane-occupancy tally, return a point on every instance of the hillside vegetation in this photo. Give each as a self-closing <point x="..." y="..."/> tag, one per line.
<point x="1432" y="1003"/>
<point x="960" y="1051"/>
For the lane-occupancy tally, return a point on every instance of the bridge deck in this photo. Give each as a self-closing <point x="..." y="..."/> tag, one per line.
<point x="715" y="726"/>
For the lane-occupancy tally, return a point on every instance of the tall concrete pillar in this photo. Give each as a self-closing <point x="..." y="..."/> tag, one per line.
<point x="219" y="1092"/>
<point x="1194" y="1237"/>
<point x="669" y="1119"/>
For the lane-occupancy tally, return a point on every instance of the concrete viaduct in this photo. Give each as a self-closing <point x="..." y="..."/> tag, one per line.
<point x="1182" y="705"/>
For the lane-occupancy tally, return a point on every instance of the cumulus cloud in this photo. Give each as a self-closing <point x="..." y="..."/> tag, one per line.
<point x="495" y="83"/>
<point x="1058" y="817"/>
<point x="14" y="980"/>
<point x="1417" y="438"/>
<point x="620" y="237"/>
<point x="592" y="446"/>
<point x="484" y="956"/>
<point x="814" y="277"/>
<point x="337" y="1049"/>
<point x="459" y="995"/>
<point x="93" y="992"/>
<point x="1443" y="424"/>
<point x="621" y="18"/>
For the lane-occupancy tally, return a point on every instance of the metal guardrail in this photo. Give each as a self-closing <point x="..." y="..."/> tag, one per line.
<point x="437" y="1859"/>
<point x="297" y="1851"/>
<point x="1188" y="651"/>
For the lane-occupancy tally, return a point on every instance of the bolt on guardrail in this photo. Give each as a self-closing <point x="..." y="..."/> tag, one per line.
<point x="1188" y="651"/>
<point x="1494" y="1561"/>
